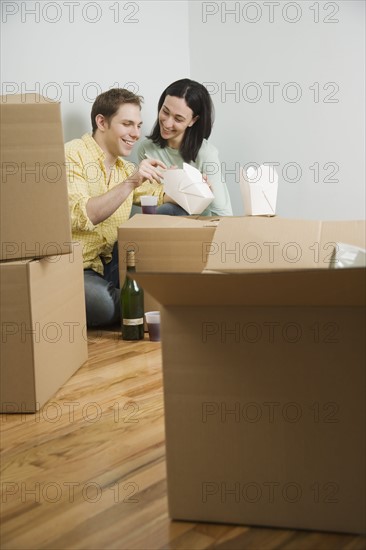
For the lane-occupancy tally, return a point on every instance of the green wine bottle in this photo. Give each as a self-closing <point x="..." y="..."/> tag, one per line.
<point x="132" y="304"/>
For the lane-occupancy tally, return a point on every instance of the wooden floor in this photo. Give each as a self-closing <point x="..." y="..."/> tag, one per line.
<point x="88" y="470"/>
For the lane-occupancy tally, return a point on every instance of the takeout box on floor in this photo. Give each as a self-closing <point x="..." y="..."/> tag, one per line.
<point x="187" y="187"/>
<point x="43" y="328"/>
<point x="264" y="370"/>
<point x="35" y="219"/>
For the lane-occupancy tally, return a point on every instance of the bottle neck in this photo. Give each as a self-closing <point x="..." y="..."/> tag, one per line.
<point x="130" y="261"/>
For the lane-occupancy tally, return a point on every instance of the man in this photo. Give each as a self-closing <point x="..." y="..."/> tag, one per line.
<point x="102" y="188"/>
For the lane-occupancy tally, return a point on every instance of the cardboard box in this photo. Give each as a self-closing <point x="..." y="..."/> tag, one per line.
<point x="259" y="188"/>
<point x="161" y="245"/>
<point x="187" y="187"/>
<point x="264" y="376"/>
<point x="34" y="216"/>
<point x="43" y="328"/>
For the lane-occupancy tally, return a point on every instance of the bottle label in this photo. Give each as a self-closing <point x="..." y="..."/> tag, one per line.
<point x="133" y="322"/>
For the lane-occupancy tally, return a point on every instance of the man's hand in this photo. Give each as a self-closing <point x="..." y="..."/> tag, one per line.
<point x="148" y="169"/>
<point x="100" y="208"/>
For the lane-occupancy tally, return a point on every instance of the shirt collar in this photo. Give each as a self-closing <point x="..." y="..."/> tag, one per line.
<point x="93" y="147"/>
<point x="97" y="151"/>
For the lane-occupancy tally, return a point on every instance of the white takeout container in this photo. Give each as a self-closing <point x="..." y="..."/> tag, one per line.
<point x="258" y="186"/>
<point x="187" y="187"/>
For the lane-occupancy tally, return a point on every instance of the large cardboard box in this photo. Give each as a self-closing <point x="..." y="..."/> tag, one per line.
<point x="161" y="245"/>
<point x="264" y="377"/>
<point x="43" y="328"/>
<point x="34" y="212"/>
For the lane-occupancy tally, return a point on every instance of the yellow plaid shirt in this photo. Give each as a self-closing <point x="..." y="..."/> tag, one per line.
<point x="87" y="177"/>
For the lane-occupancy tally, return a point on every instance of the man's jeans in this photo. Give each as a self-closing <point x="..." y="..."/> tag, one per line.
<point x="102" y="294"/>
<point x="171" y="209"/>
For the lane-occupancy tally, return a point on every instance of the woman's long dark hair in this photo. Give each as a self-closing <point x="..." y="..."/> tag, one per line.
<point x="198" y="99"/>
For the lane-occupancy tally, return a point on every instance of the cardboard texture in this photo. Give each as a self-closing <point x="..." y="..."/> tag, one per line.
<point x="161" y="245"/>
<point x="264" y="375"/>
<point x="43" y="325"/>
<point x="34" y="211"/>
<point x="258" y="244"/>
<point x="187" y="187"/>
<point x="259" y="187"/>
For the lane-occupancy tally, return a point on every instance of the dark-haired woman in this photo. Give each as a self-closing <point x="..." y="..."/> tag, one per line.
<point x="184" y="123"/>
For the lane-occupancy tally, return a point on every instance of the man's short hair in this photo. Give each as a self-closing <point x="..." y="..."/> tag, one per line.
<point x="108" y="103"/>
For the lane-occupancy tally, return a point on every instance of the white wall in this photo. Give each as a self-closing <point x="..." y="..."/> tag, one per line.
<point x="323" y="131"/>
<point x="72" y="59"/>
<point x="147" y="45"/>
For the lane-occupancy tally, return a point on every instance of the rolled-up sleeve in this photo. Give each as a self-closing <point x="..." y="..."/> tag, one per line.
<point x="78" y="195"/>
<point x="149" y="188"/>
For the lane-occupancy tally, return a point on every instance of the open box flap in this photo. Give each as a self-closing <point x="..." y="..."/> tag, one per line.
<point x="251" y="243"/>
<point x="329" y="287"/>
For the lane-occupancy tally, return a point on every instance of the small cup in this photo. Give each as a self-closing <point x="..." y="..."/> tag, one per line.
<point x="149" y="204"/>
<point x="153" y="325"/>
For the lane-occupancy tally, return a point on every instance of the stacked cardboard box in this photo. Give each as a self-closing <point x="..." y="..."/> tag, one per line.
<point x="164" y="244"/>
<point x="43" y="323"/>
<point x="264" y="369"/>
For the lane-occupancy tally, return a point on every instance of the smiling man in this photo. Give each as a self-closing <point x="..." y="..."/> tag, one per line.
<point x="102" y="189"/>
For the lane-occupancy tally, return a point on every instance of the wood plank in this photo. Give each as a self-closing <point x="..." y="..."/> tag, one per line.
<point x="88" y="470"/>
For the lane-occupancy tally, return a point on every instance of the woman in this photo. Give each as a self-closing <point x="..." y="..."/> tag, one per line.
<point x="185" y="119"/>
